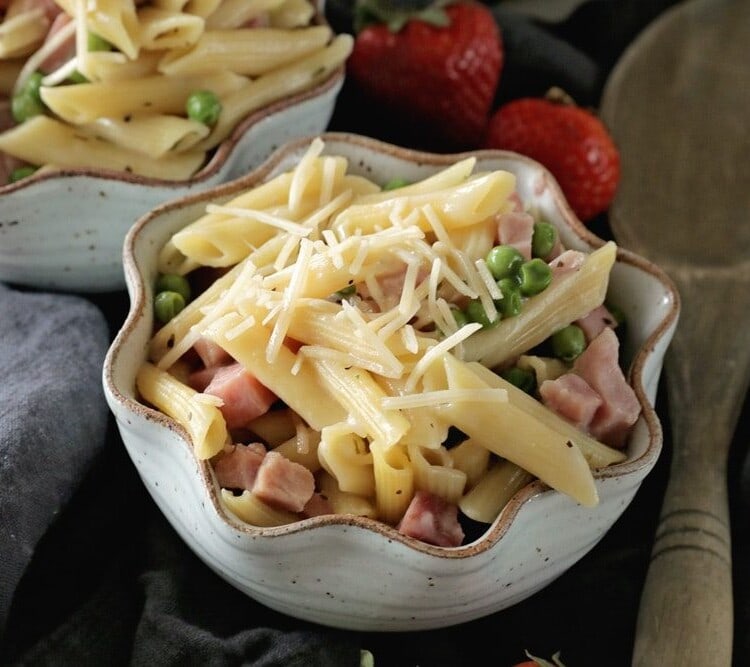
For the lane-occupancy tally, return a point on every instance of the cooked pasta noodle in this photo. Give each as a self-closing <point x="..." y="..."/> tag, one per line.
<point x="341" y="301"/>
<point x="124" y="72"/>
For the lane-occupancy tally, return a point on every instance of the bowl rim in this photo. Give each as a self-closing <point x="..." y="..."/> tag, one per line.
<point x="500" y="526"/>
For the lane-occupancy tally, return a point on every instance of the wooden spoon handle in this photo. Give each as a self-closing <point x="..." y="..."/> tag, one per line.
<point x="686" y="610"/>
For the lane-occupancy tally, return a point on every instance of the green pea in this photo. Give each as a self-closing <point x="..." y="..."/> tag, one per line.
<point x="475" y="312"/>
<point x="27" y="102"/>
<point x="459" y="316"/>
<point x="535" y="276"/>
<point x="77" y="77"/>
<point x="96" y="43"/>
<point x="396" y="183"/>
<point x="568" y="342"/>
<point x="503" y="261"/>
<point x="523" y="378"/>
<point x="203" y="106"/>
<point x="173" y="282"/>
<point x="344" y="293"/>
<point x="512" y="301"/>
<point x="167" y="304"/>
<point x="21" y="172"/>
<point x="543" y="239"/>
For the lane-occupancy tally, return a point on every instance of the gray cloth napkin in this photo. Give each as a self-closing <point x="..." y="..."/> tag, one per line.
<point x="52" y="417"/>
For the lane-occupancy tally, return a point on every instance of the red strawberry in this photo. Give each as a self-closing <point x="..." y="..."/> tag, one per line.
<point x="570" y="141"/>
<point x="436" y="70"/>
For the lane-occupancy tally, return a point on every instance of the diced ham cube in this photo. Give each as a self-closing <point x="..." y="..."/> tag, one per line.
<point x="516" y="229"/>
<point x="238" y="468"/>
<point x="65" y="51"/>
<point x="431" y="519"/>
<point x="245" y="398"/>
<point x="200" y="379"/>
<point x="317" y="506"/>
<point x="211" y="353"/>
<point x="599" y="366"/>
<point x="571" y="397"/>
<point x="593" y="323"/>
<point x="566" y="262"/>
<point x="283" y="484"/>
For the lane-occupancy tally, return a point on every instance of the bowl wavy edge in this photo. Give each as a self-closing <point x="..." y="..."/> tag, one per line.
<point x="495" y="532"/>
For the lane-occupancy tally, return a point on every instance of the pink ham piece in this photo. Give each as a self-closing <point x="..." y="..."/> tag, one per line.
<point x="238" y="468"/>
<point x="211" y="353"/>
<point x="283" y="484"/>
<point x="317" y="506"/>
<point x="431" y="519"/>
<point x="598" y="365"/>
<point x="516" y="229"/>
<point x="245" y="398"/>
<point x="65" y="51"/>
<point x="571" y="397"/>
<point x="566" y="262"/>
<point x="596" y="321"/>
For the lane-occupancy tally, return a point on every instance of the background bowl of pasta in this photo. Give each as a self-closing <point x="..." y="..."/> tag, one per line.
<point x="105" y="114"/>
<point x="398" y="475"/>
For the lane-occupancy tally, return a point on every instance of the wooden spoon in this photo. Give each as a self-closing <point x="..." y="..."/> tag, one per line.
<point x="678" y="106"/>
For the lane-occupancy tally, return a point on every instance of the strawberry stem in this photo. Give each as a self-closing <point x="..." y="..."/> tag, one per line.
<point x="397" y="13"/>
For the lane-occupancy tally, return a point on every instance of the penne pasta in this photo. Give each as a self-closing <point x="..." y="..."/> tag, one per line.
<point x="203" y="422"/>
<point x="345" y="304"/>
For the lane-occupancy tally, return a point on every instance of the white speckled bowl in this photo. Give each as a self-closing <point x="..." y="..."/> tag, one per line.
<point x="64" y="230"/>
<point x="352" y="572"/>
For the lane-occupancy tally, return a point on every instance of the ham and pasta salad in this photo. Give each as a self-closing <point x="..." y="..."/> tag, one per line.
<point x="147" y="87"/>
<point x="414" y="353"/>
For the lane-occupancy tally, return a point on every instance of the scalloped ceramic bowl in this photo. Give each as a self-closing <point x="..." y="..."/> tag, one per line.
<point x="64" y="230"/>
<point x="356" y="573"/>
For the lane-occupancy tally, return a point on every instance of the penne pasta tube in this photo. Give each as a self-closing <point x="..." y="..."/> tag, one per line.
<point x="567" y="299"/>
<point x="511" y="433"/>
<point x="152" y="135"/>
<point x="43" y="140"/>
<point x="343" y="502"/>
<point x="249" y="51"/>
<point x="394" y="481"/>
<point x="302" y="448"/>
<point x="238" y="13"/>
<point x="449" y="177"/>
<point x="462" y="205"/>
<point x="360" y="397"/>
<point x="22" y="33"/>
<point x="291" y="14"/>
<point x="471" y="458"/>
<point x="274" y="427"/>
<point x="203" y="421"/>
<point x="491" y="493"/>
<point x="85" y="102"/>
<point x="344" y="455"/>
<point x="254" y="511"/>
<point x="596" y="453"/>
<point x="161" y="29"/>
<point x="434" y="472"/>
<point x="249" y="349"/>
<point x="282" y="82"/>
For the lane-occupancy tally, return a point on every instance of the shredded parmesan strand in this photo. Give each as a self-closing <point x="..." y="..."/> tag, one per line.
<point x="437" y="351"/>
<point x="291" y="295"/>
<point x="303" y="174"/>
<point x="260" y="216"/>
<point x="442" y="396"/>
<point x="41" y="54"/>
